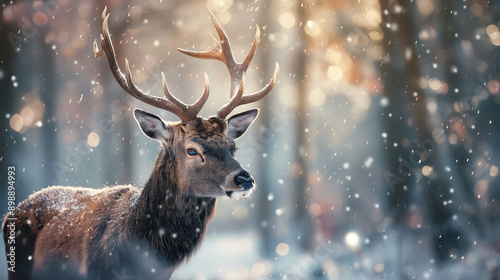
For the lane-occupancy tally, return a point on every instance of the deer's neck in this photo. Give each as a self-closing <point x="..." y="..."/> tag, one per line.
<point x="171" y="223"/>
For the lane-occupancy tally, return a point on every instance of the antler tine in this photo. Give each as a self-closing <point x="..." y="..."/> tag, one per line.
<point x="262" y="92"/>
<point x="192" y="109"/>
<point x="155" y="101"/>
<point x="225" y="46"/>
<point x="214" y="53"/>
<point x="253" y="49"/>
<point x="239" y="99"/>
<point x="233" y="102"/>
<point x="196" y="106"/>
<point x="222" y="51"/>
<point x="99" y="52"/>
<point x="169" y="96"/>
<point x="170" y="103"/>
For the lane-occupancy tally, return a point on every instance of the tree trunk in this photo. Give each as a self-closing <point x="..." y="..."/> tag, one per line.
<point x="438" y="215"/>
<point x="266" y="174"/>
<point x="301" y="219"/>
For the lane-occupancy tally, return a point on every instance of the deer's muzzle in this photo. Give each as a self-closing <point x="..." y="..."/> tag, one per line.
<point x="244" y="183"/>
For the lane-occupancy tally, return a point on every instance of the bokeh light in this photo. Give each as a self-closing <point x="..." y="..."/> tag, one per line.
<point x="282" y="249"/>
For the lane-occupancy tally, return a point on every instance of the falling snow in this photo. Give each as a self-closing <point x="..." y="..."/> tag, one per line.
<point x="375" y="157"/>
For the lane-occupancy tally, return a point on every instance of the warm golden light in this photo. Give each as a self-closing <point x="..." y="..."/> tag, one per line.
<point x="352" y="240"/>
<point x="426" y="7"/>
<point x="335" y="73"/>
<point x="312" y="28"/>
<point x="287" y="20"/>
<point x="426" y="170"/>
<point x="93" y="139"/>
<point x="282" y="249"/>
<point x="27" y="114"/>
<point x="453" y="139"/>
<point x="373" y="18"/>
<point x="481" y="188"/>
<point x="493" y="86"/>
<point x="334" y="55"/>
<point x="379" y="268"/>
<point x="316" y="97"/>
<point x="314" y="210"/>
<point x="376" y="35"/>
<point x="493" y="171"/>
<point x="16" y="122"/>
<point x="476" y="9"/>
<point x="494" y="34"/>
<point x="434" y="84"/>
<point x="491" y="30"/>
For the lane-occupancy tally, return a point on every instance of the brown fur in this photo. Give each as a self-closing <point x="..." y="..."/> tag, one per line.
<point x="81" y="233"/>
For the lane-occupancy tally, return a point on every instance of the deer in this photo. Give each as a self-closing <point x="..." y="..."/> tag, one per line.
<point x="128" y="232"/>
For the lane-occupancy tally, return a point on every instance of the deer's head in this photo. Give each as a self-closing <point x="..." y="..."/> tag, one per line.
<point x="204" y="151"/>
<point x="204" y="148"/>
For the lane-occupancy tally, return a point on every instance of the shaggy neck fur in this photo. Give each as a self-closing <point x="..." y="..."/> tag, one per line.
<point x="171" y="222"/>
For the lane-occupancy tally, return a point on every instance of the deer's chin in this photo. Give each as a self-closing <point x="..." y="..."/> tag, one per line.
<point x="237" y="194"/>
<point x="237" y="191"/>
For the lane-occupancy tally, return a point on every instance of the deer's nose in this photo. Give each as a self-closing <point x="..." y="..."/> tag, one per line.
<point x="244" y="180"/>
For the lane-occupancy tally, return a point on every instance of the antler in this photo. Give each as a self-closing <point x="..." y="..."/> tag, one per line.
<point x="185" y="112"/>
<point x="222" y="51"/>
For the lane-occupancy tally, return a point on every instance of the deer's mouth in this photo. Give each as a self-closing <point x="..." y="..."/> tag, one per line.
<point x="239" y="191"/>
<point x="240" y="185"/>
<point x="242" y="191"/>
<point x="236" y="194"/>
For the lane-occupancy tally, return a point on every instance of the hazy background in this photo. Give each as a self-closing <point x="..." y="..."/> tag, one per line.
<point x="376" y="156"/>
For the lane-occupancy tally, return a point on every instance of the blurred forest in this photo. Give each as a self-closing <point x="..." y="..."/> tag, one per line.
<point x="376" y="156"/>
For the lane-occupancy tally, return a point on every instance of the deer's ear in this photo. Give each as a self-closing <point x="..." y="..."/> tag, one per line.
<point x="152" y="126"/>
<point x="239" y="123"/>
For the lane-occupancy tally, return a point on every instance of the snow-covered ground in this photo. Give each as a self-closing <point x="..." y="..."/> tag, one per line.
<point x="235" y="255"/>
<point x="226" y="256"/>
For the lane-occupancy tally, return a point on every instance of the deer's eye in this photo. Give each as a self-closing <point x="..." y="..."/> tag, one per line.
<point x="192" y="152"/>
